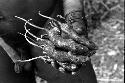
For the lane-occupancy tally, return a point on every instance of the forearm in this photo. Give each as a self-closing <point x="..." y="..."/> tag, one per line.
<point x="70" y="5"/>
<point x="73" y="11"/>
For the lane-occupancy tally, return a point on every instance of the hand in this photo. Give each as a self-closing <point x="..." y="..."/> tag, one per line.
<point x="62" y="45"/>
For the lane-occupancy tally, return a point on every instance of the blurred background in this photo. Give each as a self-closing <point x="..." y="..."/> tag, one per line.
<point x="106" y="29"/>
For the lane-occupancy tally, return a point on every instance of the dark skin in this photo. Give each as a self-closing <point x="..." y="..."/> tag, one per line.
<point x="44" y="70"/>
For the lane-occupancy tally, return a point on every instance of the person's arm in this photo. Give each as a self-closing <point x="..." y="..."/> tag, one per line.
<point x="8" y="57"/>
<point x="73" y="11"/>
<point x="71" y="5"/>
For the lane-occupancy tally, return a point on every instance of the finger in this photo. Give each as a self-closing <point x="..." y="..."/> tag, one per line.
<point x="18" y="67"/>
<point x="88" y="43"/>
<point x="79" y="49"/>
<point x="10" y="51"/>
<point x="90" y="53"/>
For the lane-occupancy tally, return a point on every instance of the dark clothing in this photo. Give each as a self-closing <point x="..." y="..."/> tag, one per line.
<point x="7" y="73"/>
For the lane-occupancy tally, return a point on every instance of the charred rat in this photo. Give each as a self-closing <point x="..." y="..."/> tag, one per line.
<point x="62" y="46"/>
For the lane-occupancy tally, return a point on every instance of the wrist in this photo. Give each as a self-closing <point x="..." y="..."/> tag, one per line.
<point x="73" y="11"/>
<point x="70" y="5"/>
